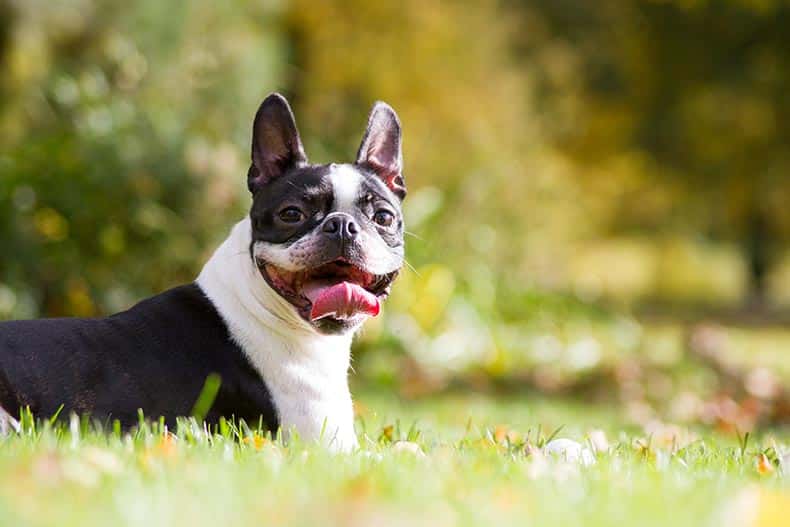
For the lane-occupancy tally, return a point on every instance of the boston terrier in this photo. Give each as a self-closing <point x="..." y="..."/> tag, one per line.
<point x="272" y="313"/>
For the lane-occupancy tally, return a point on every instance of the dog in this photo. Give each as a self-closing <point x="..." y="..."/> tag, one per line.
<point x="272" y="313"/>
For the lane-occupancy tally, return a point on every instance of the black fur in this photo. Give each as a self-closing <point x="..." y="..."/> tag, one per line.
<point x="276" y="145"/>
<point x="155" y="357"/>
<point x="380" y="150"/>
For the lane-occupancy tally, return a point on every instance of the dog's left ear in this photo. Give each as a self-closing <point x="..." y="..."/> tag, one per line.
<point x="380" y="150"/>
<point x="276" y="146"/>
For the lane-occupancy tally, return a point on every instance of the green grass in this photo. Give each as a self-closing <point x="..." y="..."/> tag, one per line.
<point x="477" y="470"/>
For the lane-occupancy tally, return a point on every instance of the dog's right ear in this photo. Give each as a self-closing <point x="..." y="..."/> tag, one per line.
<point x="276" y="146"/>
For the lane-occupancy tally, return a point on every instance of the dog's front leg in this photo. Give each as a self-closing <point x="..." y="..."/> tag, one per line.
<point x="330" y="422"/>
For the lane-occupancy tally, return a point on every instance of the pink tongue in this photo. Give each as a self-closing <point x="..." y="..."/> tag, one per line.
<point x="341" y="300"/>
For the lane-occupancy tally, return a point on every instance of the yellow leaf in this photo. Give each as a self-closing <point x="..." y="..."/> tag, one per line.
<point x="764" y="465"/>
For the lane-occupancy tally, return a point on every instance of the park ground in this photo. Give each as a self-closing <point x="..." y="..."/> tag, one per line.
<point x="457" y="458"/>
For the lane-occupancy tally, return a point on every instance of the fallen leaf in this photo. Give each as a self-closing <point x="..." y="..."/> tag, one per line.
<point x="764" y="465"/>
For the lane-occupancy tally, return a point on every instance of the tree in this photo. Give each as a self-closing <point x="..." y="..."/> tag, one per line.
<point x="699" y="92"/>
<point x="124" y="129"/>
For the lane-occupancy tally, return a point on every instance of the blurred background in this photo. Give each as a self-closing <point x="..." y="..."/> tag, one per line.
<point x="598" y="191"/>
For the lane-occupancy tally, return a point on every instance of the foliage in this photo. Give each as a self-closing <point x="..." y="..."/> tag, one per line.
<point x="683" y="103"/>
<point x="119" y="164"/>
<point x="542" y="149"/>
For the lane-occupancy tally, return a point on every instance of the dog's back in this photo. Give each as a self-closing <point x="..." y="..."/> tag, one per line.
<point x="155" y="357"/>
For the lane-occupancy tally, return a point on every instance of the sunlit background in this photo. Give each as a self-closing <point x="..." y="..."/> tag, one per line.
<point x="598" y="191"/>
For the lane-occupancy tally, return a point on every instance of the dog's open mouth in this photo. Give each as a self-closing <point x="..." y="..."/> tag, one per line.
<point x="339" y="289"/>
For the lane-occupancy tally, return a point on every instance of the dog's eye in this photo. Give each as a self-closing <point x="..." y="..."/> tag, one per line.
<point x="291" y="215"/>
<point x="384" y="217"/>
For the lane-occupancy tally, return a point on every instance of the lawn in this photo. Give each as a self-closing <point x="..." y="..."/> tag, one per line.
<point x="479" y="462"/>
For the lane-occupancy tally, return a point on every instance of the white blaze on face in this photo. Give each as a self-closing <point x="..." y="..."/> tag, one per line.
<point x="346" y="181"/>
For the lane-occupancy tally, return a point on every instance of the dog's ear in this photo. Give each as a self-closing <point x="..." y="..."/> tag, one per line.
<point x="276" y="146"/>
<point x="380" y="150"/>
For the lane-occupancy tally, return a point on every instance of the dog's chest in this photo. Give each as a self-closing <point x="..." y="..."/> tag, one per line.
<point x="305" y="373"/>
<point x="307" y="379"/>
<point x="308" y="383"/>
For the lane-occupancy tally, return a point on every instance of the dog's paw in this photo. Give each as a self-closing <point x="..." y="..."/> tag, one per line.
<point x="343" y="443"/>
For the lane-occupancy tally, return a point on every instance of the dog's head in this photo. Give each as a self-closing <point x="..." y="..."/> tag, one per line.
<point x="327" y="238"/>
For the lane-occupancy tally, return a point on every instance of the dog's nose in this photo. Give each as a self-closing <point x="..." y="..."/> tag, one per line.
<point x="341" y="226"/>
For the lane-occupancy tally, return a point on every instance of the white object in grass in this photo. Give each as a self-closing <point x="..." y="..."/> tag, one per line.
<point x="408" y="446"/>
<point x="570" y="451"/>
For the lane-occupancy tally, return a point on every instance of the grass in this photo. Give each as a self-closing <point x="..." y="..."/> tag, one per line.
<point x="481" y="467"/>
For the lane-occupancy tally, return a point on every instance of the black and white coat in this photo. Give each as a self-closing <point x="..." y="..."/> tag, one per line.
<point x="157" y="355"/>
<point x="278" y="362"/>
<point x="305" y="372"/>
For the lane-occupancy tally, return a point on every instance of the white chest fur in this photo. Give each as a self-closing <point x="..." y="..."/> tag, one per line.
<point x="305" y="372"/>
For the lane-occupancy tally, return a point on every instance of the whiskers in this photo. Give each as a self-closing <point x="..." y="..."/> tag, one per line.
<point x="413" y="269"/>
<point x="410" y="266"/>
<point x="413" y="235"/>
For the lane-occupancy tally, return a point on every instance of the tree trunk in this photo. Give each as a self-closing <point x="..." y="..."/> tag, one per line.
<point x="757" y="249"/>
